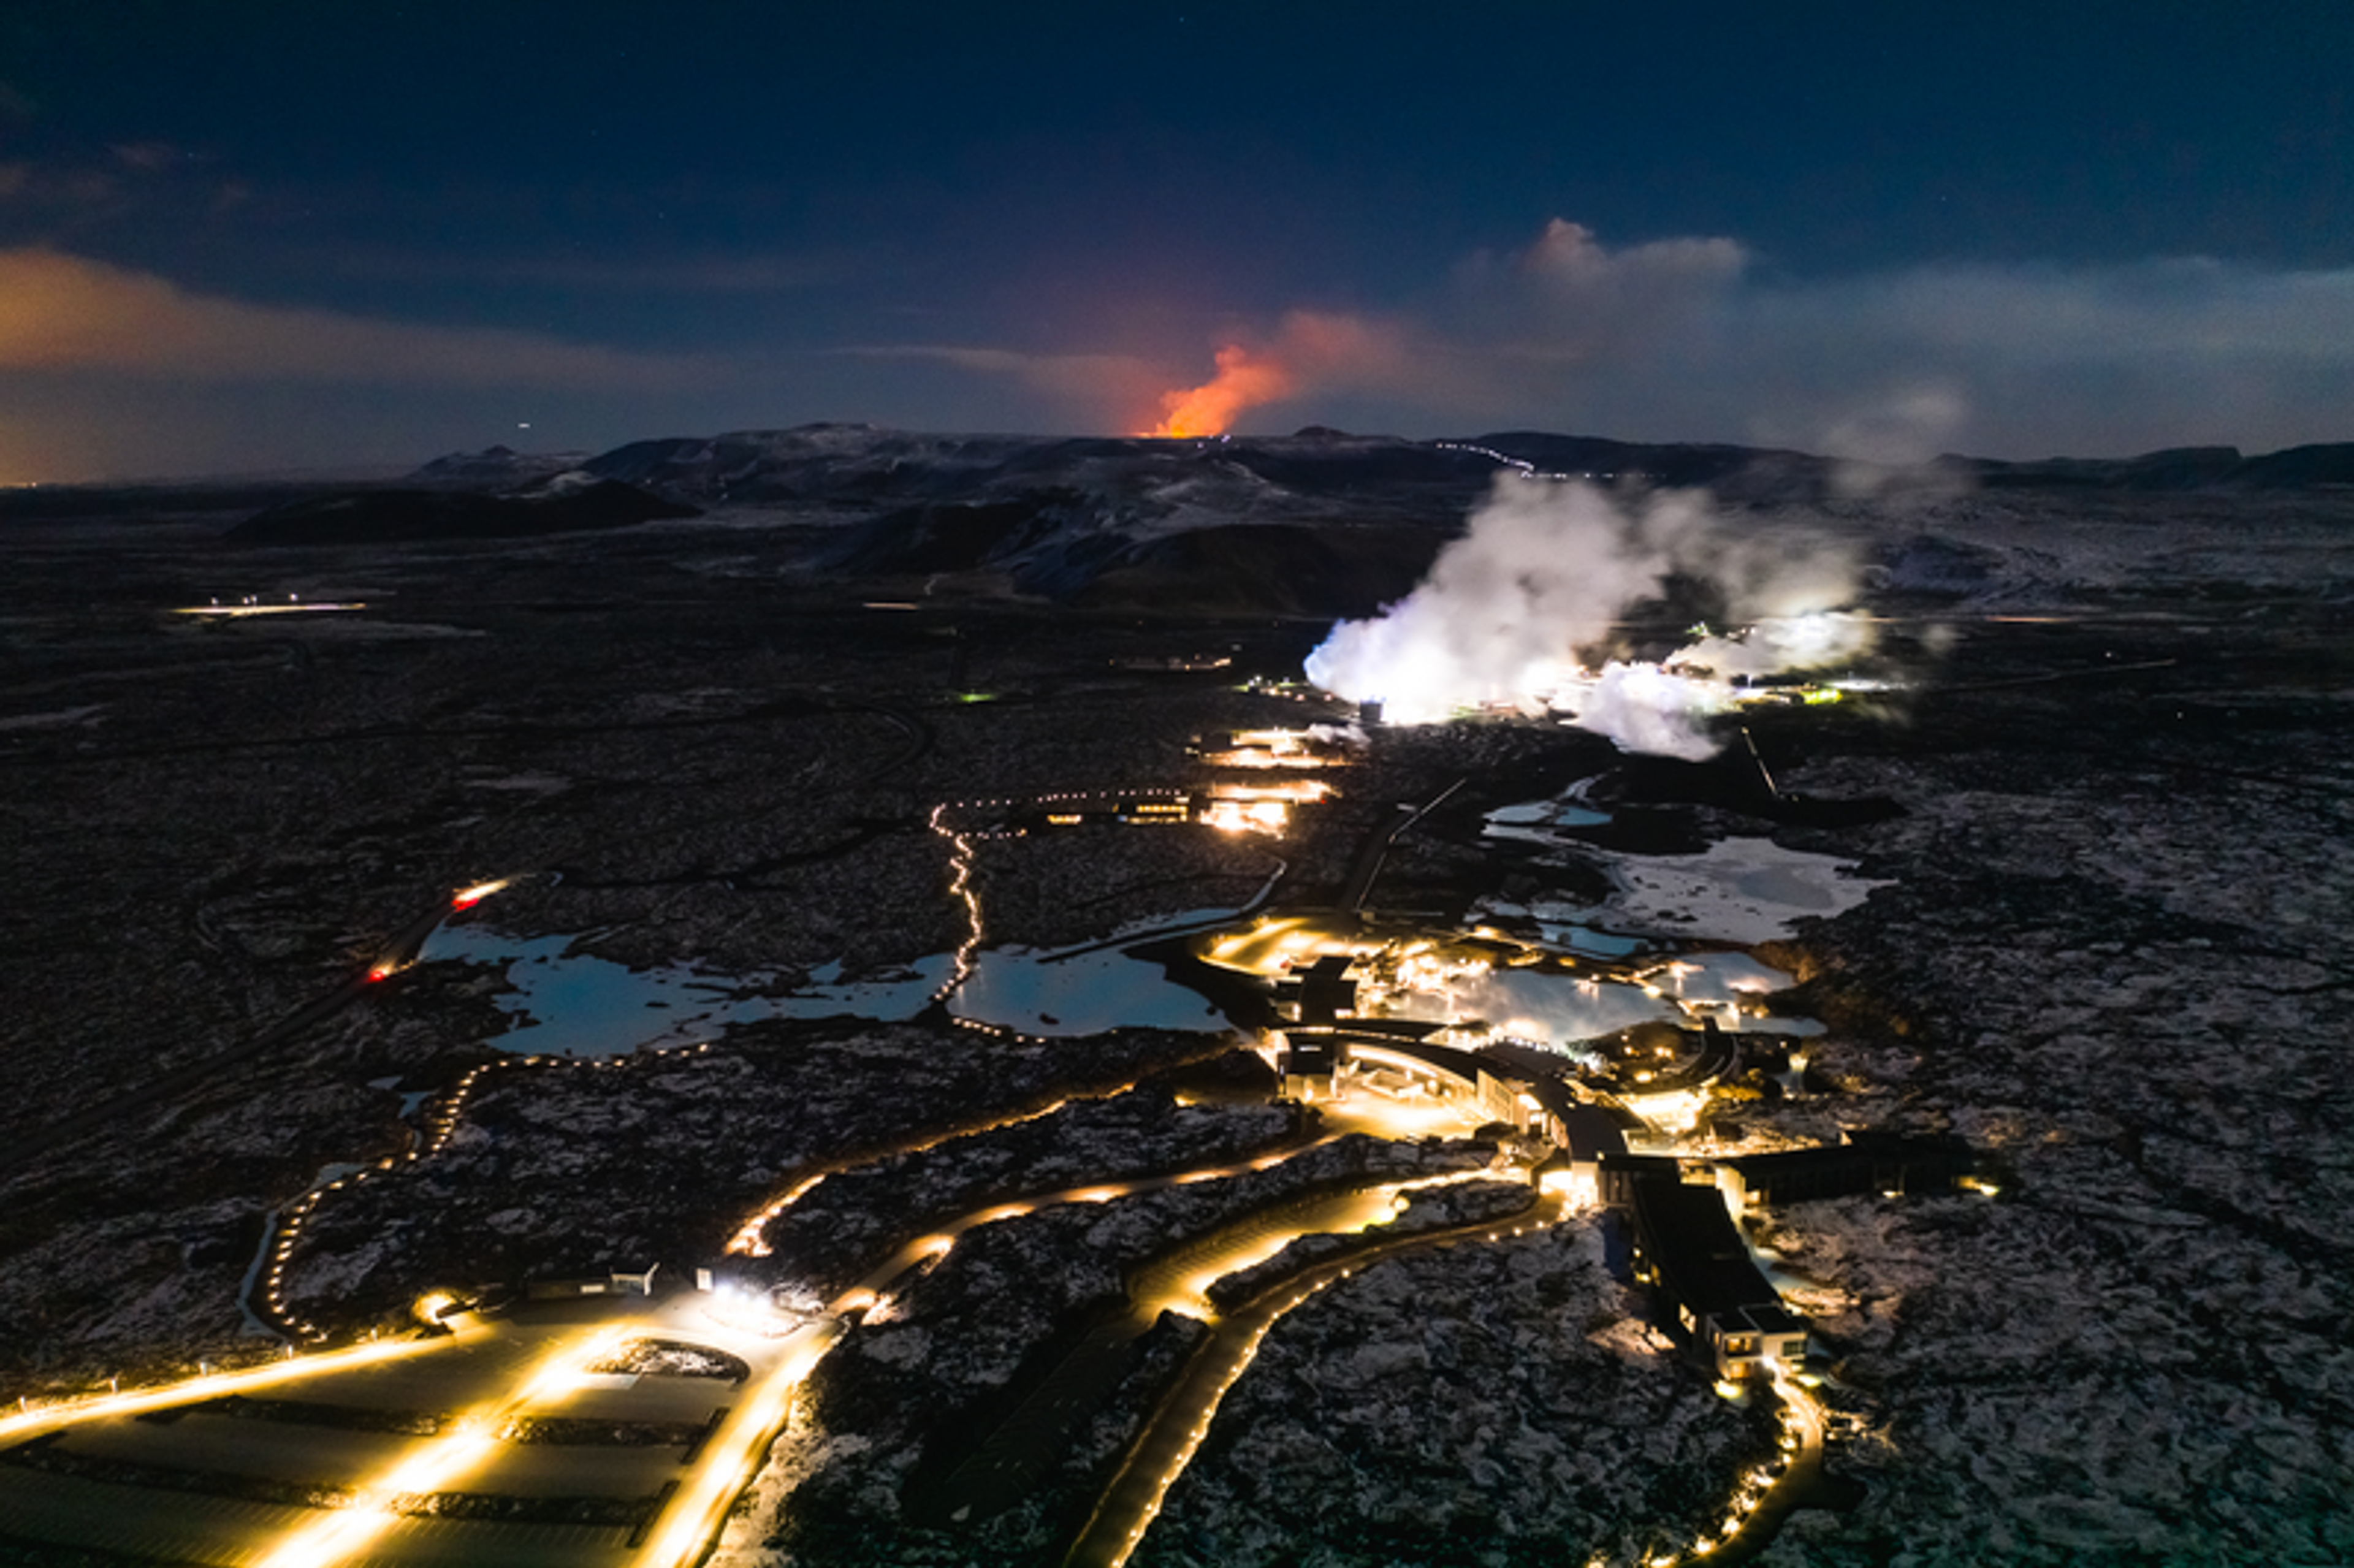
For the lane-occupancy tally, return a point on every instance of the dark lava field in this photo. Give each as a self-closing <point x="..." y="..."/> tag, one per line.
<point x="700" y="699"/>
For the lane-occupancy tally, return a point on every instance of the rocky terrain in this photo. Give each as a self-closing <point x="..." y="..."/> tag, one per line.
<point x="2108" y="957"/>
<point x="2107" y="789"/>
<point x="572" y="1169"/>
<point x="1495" y="1402"/>
<point x="912" y="1393"/>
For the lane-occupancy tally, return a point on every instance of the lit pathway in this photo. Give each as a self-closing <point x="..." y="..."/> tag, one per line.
<point x="1013" y="1458"/>
<point x="1176" y="1427"/>
<point x="1764" y="1502"/>
<point x="458" y="1392"/>
<point x="693" y="1519"/>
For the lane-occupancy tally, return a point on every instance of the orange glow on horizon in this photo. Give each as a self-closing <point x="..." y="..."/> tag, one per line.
<point x="1244" y="380"/>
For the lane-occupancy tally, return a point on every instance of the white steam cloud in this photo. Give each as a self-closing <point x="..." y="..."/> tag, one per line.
<point x="1545" y="569"/>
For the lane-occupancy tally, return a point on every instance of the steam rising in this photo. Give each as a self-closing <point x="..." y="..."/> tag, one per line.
<point x="1541" y="577"/>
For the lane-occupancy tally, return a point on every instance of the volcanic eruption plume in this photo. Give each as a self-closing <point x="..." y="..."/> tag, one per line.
<point x="1546" y="568"/>
<point x="1244" y="380"/>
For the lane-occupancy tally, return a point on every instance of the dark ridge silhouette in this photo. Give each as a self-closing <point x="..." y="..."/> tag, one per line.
<point x="1268" y="567"/>
<point x="948" y="537"/>
<point x="2175" y="468"/>
<point x="395" y="516"/>
<point x="2298" y="468"/>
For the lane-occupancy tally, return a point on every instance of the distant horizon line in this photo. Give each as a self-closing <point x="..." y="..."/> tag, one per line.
<point x="380" y="471"/>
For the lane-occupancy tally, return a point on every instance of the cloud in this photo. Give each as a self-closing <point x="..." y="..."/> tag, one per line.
<point x="149" y="158"/>
<point x="707" y="274"/>
<point x="1686" y="338"/>
<point x="64" y="313"/>
<point x="1101" y="383"/>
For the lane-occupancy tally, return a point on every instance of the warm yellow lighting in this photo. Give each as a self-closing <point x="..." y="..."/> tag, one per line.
<point x="212" y="1385"/>
<point x="467" y="897"/>
<point x="434" y="1464"/>
<point x="254" y="605"/>
<point x="1247" y="816"/>
<point x="734" y="1453"/>
<point x="749" y="1240"/>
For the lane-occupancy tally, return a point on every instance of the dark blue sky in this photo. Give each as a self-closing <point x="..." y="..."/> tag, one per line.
<point x="253" y="235"/>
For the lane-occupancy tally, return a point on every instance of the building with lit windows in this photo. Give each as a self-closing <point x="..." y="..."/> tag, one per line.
<point x="1688" y="1248"/>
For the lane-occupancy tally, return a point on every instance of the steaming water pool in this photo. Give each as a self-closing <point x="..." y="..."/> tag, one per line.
<point x="1559" y="1009"/>
<point x="1737" y="890"/>
<point x="1537" y="821"/>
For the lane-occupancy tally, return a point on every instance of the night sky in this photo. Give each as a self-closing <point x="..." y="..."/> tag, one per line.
<point x="248" y="237"/>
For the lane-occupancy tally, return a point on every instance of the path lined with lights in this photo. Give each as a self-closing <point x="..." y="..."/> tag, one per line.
<point x="691" y="1520"/>
<point x="1175" y="1429"/>
<point x="469" y="1442"/>
<point x="30" y="1420"/>
<point x="1162" y="806"/>
<point x="1010" y="1461"/>
<point x="736" y="1454"/>
<point x="1767" y="1496"/>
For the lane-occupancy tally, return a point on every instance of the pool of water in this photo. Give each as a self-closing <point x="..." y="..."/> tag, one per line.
<point x="1556" y="1009"/>
<point x="1539" y="821"/>
<point x="1086" y="993"/>
<point x="566" y="1003"/>
<point x="1737" y="890"/>
<point x="569" y="1002"/>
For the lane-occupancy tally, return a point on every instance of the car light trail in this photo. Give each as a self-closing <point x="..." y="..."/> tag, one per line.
<point x="253" y="604"/>
<point x="467" y="897"/>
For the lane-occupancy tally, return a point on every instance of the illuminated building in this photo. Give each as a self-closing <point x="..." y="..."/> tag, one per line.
<point x="1865" y="1161"/>
<point x="1320" y="994"/>
<point x="615" y="1282"/>
<point x="1687" y="1247"/>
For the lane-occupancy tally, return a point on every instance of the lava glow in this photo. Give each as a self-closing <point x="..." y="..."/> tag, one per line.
<point x="1244" y="380"/>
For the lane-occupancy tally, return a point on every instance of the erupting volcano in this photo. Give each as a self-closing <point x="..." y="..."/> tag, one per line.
<point x="1244" y="380"/>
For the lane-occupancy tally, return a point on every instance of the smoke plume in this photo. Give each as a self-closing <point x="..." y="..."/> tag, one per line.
<point x="1538" y="581"/>
<point x="1244" y="380"/>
